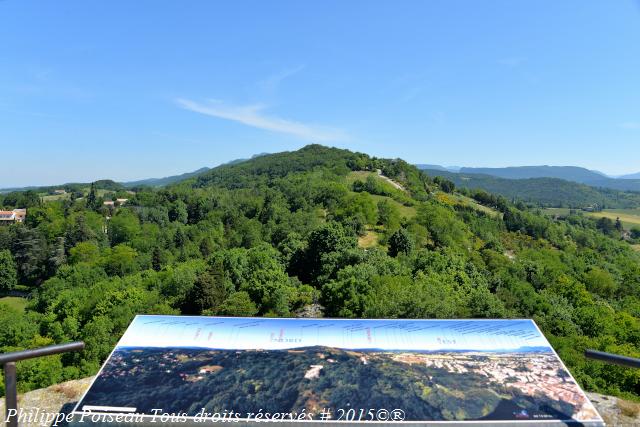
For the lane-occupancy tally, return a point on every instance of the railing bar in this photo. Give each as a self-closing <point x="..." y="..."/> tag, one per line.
<point x="616" y="359"/>
<point x="39" y="352"/>
<point x="10" y="377"/>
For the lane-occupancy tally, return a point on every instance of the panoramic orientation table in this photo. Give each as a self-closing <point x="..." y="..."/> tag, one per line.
<point x="184" y="370"/>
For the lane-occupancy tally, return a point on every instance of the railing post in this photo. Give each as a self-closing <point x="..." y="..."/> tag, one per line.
<point x="10" y="393"/>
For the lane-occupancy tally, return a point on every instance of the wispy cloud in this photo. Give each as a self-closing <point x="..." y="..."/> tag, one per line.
<point x="271" y="83"/>
<point x="630" y="125"/>
<point x="253" y="115"/>
<point x="513" y="61"/>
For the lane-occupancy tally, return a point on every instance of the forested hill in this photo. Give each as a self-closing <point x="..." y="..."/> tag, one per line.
<point x="547" y="192"/>
<point x="567" y="173"/>
<point x="318" y="231"/>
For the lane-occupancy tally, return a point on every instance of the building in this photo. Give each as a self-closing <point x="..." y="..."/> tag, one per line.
<point x="11" y="217"/>
<point x="21" y="214"/>
<point x="7" y="217"/>
<point x="114" y="203"/>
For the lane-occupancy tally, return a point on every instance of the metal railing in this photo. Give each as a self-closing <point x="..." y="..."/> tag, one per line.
<point x="10" y="380"/>
<point x="616" y="359"/>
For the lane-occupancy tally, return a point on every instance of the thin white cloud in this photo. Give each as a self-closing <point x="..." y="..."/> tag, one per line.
<point x="630" y="125"/>
<point x="271" y="83"/>
<point x="252" y="115"/>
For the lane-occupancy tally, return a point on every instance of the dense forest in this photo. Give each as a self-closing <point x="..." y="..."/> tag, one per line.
<point x="319" y="231"/>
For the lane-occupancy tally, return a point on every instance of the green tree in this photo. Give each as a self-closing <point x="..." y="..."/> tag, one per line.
<point x="121" y="260"/>
<point x="238" y="304"/>
<point x="57" y="256"/>
<point x="123" y="227"/>
<point x="388" y="215"/>
<point x="8" y="274"/>
<point x="331" y="238"/>
<point x="443" y="225"/>
<point x="84" y="252"/>
<point x="93" y="201"/>
<point x="30" y="252"/>
<point x="600" y="282"/>
<point x="208" y="293"/>
<point x="178" y="212"/>
<point x="400" y="242"/>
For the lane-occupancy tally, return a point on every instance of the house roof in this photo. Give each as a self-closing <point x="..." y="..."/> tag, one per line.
<point x="7" y="215"/>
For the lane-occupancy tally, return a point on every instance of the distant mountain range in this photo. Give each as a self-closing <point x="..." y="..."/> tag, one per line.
<point x="160" y="182"/>
<point x="149" y="182"/>
<point x="545" y="192"/>
<point x="568" y="173"/>
<point x="631" y="176"/>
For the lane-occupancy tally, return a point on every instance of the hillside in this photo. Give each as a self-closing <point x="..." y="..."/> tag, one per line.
<point x="630" y="176"/>
<point x="547" y="192"/>
<point x="567" y="173"/>
<point x="284" y="234"/>
<point x="159" y="182"/>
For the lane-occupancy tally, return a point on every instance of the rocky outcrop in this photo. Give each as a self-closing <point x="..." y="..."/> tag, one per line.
<point x="51" y="400"/>
<point x="615" y="411"/>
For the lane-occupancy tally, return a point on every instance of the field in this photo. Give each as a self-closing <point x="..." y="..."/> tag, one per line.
<point x="46" y="197"/>
<point x="53" y="197"/>
<point x="369" y="240"/>
<point x="14" y="302"/>
<point x="405" y="211"/>
<point x="629" y="217"/>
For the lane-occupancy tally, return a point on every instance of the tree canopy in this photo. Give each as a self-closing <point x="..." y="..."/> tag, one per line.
<point x="294" y="233"/>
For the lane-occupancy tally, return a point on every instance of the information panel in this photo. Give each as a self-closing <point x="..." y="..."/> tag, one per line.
<point x="204" y="369"/>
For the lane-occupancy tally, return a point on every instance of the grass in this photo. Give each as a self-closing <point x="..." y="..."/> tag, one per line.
<point x="369" y="240"/>
<point x="629" y="217"/>
<point x="54" y="197"/>
<point x="629" y="409"/>
<point x="636" y="247"/>
<point x="459" y="199"/>
<point x="16" y="303"/>
<point x="405" y="211"/>
<point x="359" y="175"/>
<point x="46" y="197"/>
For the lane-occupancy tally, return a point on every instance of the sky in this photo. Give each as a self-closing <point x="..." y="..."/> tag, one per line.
<point x="251" y="333"/>
<point x="132" y="90"/>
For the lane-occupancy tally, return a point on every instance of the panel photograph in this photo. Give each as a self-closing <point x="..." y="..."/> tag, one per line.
<point x="338" y="370"/>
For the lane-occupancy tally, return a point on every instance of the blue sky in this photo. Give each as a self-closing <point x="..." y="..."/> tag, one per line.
<point x="130" y="90"/>
<point x="251" y="333"/>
